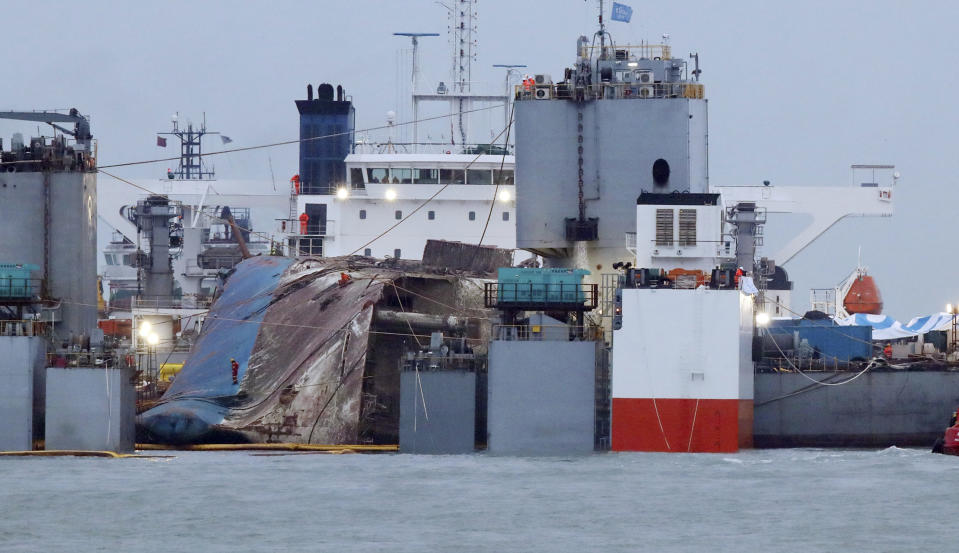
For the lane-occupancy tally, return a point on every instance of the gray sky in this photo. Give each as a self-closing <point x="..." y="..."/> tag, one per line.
<point x="798" y="91"/>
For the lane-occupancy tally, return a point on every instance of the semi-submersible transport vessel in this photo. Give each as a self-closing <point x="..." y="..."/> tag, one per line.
<point x="652" y="326"/>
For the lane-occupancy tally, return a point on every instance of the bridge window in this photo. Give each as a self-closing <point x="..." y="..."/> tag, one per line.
<point x="356" y="178"/>
<point x="472" y="215"/>
<point x="452" y="176"/>
<point x="379" y="174"/>
<point x="503" y="177"/>
<point x="426" y="176"/>
<point x="362" y="214"/>
<point x="479" y="176"/>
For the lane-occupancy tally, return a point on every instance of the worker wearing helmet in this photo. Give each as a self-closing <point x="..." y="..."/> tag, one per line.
<point x="235" y="367"/>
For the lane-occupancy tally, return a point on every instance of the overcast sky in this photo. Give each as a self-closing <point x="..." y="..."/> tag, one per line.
<point x="798" y="91"/>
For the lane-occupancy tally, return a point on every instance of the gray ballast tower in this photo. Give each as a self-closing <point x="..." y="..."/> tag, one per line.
<point x="623" y="120"/>
<point x="48" y="222"/>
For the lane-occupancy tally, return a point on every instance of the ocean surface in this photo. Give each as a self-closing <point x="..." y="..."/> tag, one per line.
<point x="795" y="500"/>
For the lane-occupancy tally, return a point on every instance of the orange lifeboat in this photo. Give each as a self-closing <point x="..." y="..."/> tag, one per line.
<point x="863" y="296"/>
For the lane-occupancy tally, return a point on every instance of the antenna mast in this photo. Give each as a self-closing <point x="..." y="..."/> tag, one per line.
<point x="413" y="80"/>
<point x="191" y="166"/>
<point x="462" y="31"/>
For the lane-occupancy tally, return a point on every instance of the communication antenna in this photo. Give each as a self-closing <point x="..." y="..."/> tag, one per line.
<point x="413" y="74"/>
<point x="191" y="166"/>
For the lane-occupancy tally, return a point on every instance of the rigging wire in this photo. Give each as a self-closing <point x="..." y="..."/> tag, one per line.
<point x="297" y="141"/>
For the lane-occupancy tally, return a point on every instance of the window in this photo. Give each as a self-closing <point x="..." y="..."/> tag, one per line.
<point x="431" y="215"/>
<point x="356" y="178"/>
<point x="664" y="227"/>
<point x="402" y="176"/>
<point x="362" y="214"/>
<point x="110" y="259"/>
<point x="399" y="214"/>
<point x="426" y="176"/>
<point x="378" y="175"/>
<point x="452" y="176"/>
<point x="368" y="252"/>
<point x="479" y="176"/>
<point x="506" y="215"/>
<point x="396" y="253"/>
<point x="472" y="215"/>
<point x="687" y="227"/>
<point x="503" y="177"/>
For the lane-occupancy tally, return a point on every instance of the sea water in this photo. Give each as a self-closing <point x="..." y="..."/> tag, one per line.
<point x="795" y="500"/>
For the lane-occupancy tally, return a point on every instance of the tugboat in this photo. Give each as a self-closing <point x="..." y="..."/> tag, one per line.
<point x="949" y="443"/>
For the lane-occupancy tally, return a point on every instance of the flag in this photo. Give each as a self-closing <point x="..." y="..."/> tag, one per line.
<point x="161" y="142"/>
<point x="621" y="12"/>
<point x="226" y="139"/>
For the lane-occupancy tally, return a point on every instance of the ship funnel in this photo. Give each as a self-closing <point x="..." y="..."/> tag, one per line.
<point x="339" y="93"/>
<point x="324" y="92"/>
<point x="309" y="92"/>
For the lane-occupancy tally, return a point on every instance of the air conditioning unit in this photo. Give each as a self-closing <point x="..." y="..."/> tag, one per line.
<point x="644" y="77"/>
<point x="543" y="93"/>
<point x="543" y="79"/>
<point x="647" y="91"/>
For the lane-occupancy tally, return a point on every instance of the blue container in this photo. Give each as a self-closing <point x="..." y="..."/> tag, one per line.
<point x="829" y="340"/>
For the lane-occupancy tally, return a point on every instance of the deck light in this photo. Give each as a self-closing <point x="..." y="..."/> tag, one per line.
<point x="153" y="339"/>
<point x="505" y="196"/>
<point x="949" y="308"/>
<point x="342" y="193"/>
<point x="145" y="328"/>
<point x="390" y="194"/>
<point x="762" y="319"/>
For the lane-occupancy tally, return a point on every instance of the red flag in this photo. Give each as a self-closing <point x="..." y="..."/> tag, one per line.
<point x="161" y="142"/>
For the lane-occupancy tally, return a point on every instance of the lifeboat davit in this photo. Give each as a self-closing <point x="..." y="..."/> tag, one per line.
<point x="863" y="296"/>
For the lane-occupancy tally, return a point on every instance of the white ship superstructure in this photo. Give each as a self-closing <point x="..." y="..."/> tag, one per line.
<point x="383" y="189"/>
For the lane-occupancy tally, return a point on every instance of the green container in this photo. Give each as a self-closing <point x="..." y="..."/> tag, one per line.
<point x="15" y="280"/>
<point x="518" y="285"/>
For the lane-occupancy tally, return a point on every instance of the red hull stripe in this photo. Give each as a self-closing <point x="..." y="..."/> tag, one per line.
<point x="681" y="425"/>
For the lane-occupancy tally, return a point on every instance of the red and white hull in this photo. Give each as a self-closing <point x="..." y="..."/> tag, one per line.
<point x="682" y="371"/>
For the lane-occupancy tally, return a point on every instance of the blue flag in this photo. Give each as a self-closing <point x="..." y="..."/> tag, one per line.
<point x="621" y="12"/>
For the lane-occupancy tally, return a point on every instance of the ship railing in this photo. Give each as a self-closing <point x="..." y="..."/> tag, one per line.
<point x="23" y="328"/>
<point x="823" y="300"/>
<point x="84" y="359"/>
<point x="541" y="295"/>
<point x="611" y="91"/>
<point x="547" y="333"/>
<point x="12" y="288"/>
<point x="188" y="301"/>
<point x="682" y="243"/>
<point x="292" y="227"/>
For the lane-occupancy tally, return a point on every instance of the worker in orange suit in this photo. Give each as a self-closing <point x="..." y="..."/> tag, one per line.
<point x="887" y="351"/>
<point x="739" y="275"/>
<point x="235" y="368"/>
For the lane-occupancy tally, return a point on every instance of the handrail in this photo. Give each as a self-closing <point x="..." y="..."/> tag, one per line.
<point x="612" y="91"/>
<point x="545" y="333"/>
<point x="17" y="327"/>
<point x="16" y="287"/>
<point x="541" y="295"/>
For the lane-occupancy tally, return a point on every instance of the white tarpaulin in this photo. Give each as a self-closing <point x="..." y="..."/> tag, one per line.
<point x="885" y="327"/>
